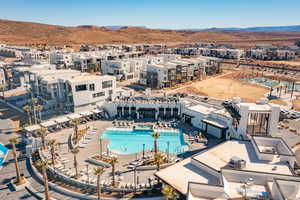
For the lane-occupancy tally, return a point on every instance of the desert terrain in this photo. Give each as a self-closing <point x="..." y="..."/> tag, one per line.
<point x="26" y="33"/>
<point x="226" y="87"/>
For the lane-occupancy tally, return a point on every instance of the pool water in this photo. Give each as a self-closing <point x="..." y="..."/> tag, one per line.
<point x="270" y="83"/>
<point x="131" y="141"/>
<point x="3" y="153"/>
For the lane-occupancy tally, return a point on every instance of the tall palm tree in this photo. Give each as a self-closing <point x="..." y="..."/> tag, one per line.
<point x="52" y="143"/>
<point x="27" y="109"/>
<point x="76" y="122"/>
<point x="42" y="132"/>
<point x="43" y="165"/>
<point x="39" y="108"/>
<point x="155" y="135"/>
<point x="13" y="141"/>
<point x="158" y="159"/>
<point x="169" y="193"/>
<point x="98" y="172"/>
<point x="2" y="89"/>
<point x="113" y="161"/>
<point x="75" y="151"/>
<point x="34" y="101"/>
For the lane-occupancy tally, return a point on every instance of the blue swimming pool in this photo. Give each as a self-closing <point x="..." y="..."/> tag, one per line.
<point x="270" y="83"/>
<point x="131" y="141"/>
<point x="3" y="154"/>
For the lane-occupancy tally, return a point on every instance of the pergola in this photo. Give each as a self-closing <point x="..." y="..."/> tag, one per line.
<point x="97" y="111"/>
<point x="74" y="116"/>
<point x="32" y="128"/>
<point x="61" y="121"/>
<point x="49" y="124"/>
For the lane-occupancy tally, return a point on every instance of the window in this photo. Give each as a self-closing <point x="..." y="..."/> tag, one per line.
<point x="110" y="92"/>
<point x="92" y="87"/>
<point x="107" y="84"/>
<point x="80" y="88"/>
<point x="100" y="94"/>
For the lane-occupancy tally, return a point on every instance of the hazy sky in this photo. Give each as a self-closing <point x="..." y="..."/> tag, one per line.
<point x="155" y="13"/>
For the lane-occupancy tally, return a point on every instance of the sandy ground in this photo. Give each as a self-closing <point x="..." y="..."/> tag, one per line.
<point x="226" y="88"/>
<point x="296" y="104"/>
<point x="278" y="101"/>
<point x="292" y="63"/>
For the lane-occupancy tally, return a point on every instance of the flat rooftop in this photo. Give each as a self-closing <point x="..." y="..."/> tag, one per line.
<point x="86" y="77"/>
<point x="180" y="174"/>
<point x="256" y="106"/>
<point x="201" y="108"/>
<point x="220" y="155"/>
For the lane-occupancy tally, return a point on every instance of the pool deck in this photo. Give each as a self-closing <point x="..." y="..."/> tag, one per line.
<point x="93" y="147"/>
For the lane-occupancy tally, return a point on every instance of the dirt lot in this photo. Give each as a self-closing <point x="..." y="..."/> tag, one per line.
<point x="227" y="88"/>
<point x="295" y="63"/>
<point x="296" y="104"/>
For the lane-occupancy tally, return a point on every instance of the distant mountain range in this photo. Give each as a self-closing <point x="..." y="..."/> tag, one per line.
<point x="30" y="33"/>
<point x="120" y="27"/>
<point x="295" y="28"/>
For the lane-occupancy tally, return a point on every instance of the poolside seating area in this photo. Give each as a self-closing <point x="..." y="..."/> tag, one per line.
<point x="123" y="123"/>
<point x="83" y="142"/>
<point x="162" y="124"/>
<point x="64" y="122"/>
<point x="87" y="177"/>
<point x="196" y="136"/>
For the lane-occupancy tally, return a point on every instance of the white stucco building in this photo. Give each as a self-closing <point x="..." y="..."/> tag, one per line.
<point x="258" y="168"/>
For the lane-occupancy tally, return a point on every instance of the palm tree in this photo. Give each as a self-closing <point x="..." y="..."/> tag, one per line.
<point x="42" y="132"/>
<point x="98" y="172"/>
<point x="169" y="192"/>
<point x="155" y="135"/>
<point x="52" y="143"/>
<point x="34" y="101"/>
<point x="113" y="161"/>
<point x="43" y="165"/>
<point x="13" y="141"/>
<point x="39" y="108"/>
<point x="27" y="109"/>
<point x="75" y="151"/>
<point x="76" y="122"/>
<point x="158" y="159"/>
<point x="2" y="88"/>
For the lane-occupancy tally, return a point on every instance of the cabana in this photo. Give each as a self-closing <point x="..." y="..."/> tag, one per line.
<point x="63" y="121"/>
<point x="74" y="116"/>
<point x="32" y="129"/>
<point x="87" y="115"/>
<point x="98" y="113"/>
<point x="50" y="125"/>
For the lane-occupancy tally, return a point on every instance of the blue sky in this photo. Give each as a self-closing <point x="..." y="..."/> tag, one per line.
<point x="155" y="13"/>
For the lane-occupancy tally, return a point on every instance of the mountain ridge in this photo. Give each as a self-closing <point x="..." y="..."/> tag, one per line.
<point x="24" y="33"/>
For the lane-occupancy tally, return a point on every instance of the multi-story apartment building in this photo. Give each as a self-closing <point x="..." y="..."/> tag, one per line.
<point x="12" y="51"/>
<point x="271" y="53"/>
<point x="178" y="71"/>
<point x="2" y="75"/>
<point x="87" y="90"/>
<point x="61" y="91"/>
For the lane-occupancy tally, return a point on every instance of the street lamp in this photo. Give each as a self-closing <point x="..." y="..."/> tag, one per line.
<point x="143" y="151"/>
<point x="168" y="143"/>
<point x="87" y="172"/>
<point x="100" y="148"/>
<point x="135" y="181"/>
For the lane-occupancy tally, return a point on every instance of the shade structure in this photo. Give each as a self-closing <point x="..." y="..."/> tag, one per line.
<point x="97" y="111"/>
<point x="61" y="120"/>
<point x="74" y="116"/>
<point x="86" y="113"/>
<point x="48" y="123"/>
<point x="32" y="128"/>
